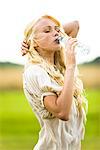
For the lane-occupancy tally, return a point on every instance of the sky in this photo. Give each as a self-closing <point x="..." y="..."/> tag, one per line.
<point x="16" y="14"/>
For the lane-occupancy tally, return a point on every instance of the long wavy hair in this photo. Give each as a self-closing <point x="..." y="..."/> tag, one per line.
<point x="56" y="71"/>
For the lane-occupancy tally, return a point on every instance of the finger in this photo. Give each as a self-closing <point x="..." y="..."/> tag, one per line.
<point x="23" y="52"/>
<point x="69" y="37"/>
<point x="24" y="40"/>
<point x="72" y="40"/>
<point x="73" y="46"/>
<point x="24" y="48"/>
<point x="25" y="45"/>
<point x="71" y="43"/>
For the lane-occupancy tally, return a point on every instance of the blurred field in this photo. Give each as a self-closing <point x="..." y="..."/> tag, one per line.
<point x="11" y="78"/>
<point x="90" y="75"/>
<point x="19" y="127"/>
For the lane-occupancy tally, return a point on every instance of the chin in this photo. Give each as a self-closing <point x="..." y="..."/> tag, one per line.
<point x="58" y="48"/>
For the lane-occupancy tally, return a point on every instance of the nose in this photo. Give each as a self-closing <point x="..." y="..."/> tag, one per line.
<point x="56" y="33"/>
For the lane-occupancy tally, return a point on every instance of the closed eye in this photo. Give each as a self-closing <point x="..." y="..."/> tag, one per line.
<point x="46" y="31"/>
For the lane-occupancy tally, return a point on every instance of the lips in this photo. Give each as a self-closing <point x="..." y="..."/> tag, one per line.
<point x="57" y="40"/>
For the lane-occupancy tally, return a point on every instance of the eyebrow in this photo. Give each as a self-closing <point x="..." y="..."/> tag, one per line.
<point x="49" y="26"/>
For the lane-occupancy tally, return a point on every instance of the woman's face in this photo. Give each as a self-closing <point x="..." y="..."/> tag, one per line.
<point x="46" y="35"/>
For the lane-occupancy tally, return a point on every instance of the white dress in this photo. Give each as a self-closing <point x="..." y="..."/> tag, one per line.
<point x="55" y="134"/>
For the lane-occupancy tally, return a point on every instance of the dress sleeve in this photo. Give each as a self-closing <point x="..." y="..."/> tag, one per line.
<point x="47" y="86"/>
<point x="40" y="85"/>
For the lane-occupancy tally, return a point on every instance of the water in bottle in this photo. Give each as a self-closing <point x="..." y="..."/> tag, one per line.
<point x="80" y="49"/>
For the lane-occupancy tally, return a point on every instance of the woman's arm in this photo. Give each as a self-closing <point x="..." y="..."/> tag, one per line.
<point x="60" y="106"/>
<point x="71" y="29"/>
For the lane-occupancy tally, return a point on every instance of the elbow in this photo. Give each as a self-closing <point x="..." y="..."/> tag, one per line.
<point x="76" y="24"/>
<point x="63" y="116"/>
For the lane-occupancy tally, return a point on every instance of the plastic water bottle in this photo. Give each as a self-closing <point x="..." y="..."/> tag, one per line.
<point x="80" y="49"/>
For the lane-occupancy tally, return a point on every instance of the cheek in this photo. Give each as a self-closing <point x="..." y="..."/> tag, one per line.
<point x="44" y="43"/>
<point x="43" y="40"/>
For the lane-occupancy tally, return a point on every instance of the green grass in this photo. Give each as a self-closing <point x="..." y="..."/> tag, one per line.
<point x="92" y="136"/>
<point x="19" y="127"/>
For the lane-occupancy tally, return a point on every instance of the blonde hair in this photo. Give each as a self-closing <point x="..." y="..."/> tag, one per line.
<point x="57" y="71"/>
<point x="34" y="57"/>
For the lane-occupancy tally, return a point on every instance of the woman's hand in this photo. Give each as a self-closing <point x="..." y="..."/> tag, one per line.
<point x="24" y="47"/>
<point x="70" y="51"/>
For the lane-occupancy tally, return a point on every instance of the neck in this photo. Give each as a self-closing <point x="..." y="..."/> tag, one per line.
<point x="47" y="55"/>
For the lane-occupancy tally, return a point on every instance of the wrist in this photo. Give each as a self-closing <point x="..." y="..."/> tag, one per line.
<point x="71" y="66"/>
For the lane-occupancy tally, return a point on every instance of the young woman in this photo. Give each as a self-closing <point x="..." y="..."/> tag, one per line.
<point x="52" y="86"/>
